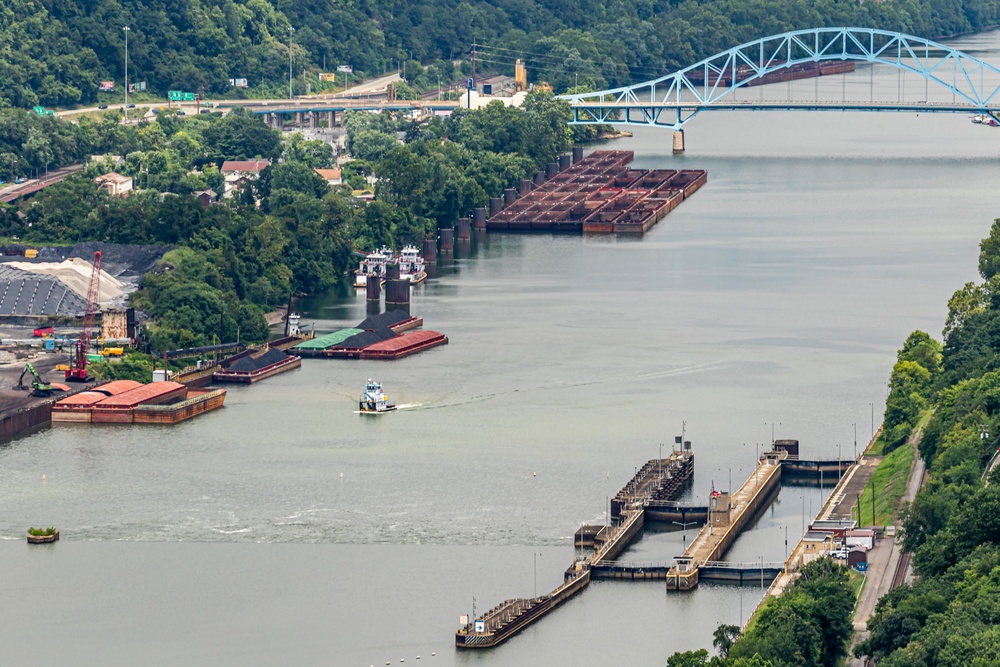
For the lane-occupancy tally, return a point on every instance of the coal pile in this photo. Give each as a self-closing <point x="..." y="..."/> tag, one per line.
<point x="387" y="319"/>
<point x="118" y="259"/>
<point x="366" y="338"/>
<point x="249" y="364"/>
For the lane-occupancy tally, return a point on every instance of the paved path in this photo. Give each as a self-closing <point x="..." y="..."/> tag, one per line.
<point x="884" y="559"/>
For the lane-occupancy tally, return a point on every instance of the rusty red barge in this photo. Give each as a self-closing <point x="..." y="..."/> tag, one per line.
<point x="599" y="194"/>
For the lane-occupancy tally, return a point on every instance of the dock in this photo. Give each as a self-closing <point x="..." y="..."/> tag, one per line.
<point x="650" y="496"/>
<point x="658" y="479"/>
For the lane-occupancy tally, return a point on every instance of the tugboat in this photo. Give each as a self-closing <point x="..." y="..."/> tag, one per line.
<point x="373" y="399"/>
<point x="411" y="265"/>
<point x="372" y="265"/>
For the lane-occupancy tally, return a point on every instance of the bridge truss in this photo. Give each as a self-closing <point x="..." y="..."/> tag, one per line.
<point x="710" y="85"/>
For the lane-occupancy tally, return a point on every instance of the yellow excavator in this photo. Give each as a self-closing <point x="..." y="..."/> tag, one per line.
<point x="38" y="386"/>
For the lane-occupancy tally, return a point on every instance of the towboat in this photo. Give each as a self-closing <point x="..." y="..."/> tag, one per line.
<point x="372" y="265"/>
<point x="411" y="265"/>
<point x="373" y="399"/>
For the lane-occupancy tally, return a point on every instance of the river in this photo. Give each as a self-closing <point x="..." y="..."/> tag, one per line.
<point x="285" y="528"/>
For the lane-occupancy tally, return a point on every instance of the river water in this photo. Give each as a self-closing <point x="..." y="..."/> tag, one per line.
<point x="285" y="528"/>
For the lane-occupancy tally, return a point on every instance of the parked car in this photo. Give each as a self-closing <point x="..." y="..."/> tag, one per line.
<point x="102" y="106"/>
<point x="840" y="554"/>
<point x="130" y="106"/>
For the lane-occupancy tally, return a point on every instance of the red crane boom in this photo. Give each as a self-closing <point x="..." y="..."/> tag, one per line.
<point x="78" y="373"/>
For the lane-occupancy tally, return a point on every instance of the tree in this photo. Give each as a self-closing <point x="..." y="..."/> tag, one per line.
<point x="723" y="638"/>
<point x="989" y="252"/>
<point x="688" y="659"/>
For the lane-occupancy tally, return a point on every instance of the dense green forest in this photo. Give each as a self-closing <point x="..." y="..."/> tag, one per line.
<point x="289" y="232"/>
<point x="54" y="52"/>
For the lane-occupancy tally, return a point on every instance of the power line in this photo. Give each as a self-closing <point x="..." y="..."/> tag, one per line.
<point x="502" y="51"/>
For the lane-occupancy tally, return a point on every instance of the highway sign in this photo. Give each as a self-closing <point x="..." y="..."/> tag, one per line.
<point x="180" y="96"/>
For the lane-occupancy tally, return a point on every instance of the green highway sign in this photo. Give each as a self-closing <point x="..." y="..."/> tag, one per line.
<point x="180" y="96"/>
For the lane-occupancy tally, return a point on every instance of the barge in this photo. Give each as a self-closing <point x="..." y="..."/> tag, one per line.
<point x="405" y="345"/>
<point x="252" y="369"/>
<point x="155" y="403"/>
<point x="599" y="194"/>
<point x="807" y="70"/>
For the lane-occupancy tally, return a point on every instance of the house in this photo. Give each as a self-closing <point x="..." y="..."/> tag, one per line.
<point x="246" y="168"/>
<point x="116" y="184"/>
<point x="331" y="176"/>
<point x="206" y="197"/>
<point x="237" y="172"/>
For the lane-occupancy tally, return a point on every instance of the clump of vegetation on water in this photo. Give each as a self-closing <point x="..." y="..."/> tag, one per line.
<point x="42" y="532"/>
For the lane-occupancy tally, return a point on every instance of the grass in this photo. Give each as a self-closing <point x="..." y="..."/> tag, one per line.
<point x="888" y="485"/>
<point x="856" y="581"/>
<point x="878" y="445"/>
<point x="41" y="532"/>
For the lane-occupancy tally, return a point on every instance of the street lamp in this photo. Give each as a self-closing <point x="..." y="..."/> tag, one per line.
<point x="535" y="555"/>
<point x="126" y="29"/>
<point x="872" y="406"/>
<point x="290" y="31"/>
<point x="684" y="536"/>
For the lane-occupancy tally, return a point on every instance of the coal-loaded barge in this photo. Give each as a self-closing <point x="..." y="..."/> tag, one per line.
<point x="597" y="194"/>
<point x="377" y="337"/>
<point x="253" y="368"/>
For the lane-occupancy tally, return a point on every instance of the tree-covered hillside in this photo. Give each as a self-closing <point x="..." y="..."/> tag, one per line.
<point x="54" y="52"/>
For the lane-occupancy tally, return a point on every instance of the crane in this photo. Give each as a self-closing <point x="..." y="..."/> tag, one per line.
<point x="78" y="370"/>
<point x="39" y="387"/>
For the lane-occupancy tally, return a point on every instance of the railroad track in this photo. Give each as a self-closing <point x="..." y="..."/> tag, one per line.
<point x="900" y="574"/>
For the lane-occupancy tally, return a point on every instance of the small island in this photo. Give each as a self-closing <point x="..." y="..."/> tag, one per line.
<point x="42" y="535"/>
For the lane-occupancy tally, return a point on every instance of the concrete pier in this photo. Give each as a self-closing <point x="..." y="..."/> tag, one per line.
<point x="728" y="515"/>
<point x="657" y="478"/>
<point x="678" y="141"/>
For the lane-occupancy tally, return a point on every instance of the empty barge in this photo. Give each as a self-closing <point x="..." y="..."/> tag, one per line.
<point x="599" y="194"/>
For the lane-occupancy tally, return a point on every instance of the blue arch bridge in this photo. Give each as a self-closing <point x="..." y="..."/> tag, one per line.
<point x="961" y="83"/>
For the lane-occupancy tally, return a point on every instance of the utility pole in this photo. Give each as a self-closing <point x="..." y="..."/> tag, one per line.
<point x="473" y="62"/>
<point x="290" y="31"/>
<point x="126" y="29"/>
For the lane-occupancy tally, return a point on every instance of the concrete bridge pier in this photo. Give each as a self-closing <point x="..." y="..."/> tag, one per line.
<point x="330" y="118"/>
<point x="678" y="141"/>
<point x="298" y="118"/>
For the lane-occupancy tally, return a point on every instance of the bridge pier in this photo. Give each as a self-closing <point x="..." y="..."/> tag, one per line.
<point x="678" y="141"/>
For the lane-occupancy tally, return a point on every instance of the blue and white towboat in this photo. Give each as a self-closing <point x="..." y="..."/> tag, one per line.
<point x="373" y="399"/>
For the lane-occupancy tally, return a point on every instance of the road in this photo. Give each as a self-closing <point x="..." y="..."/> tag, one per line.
<point x="885" y="559"/>
<point x="9" y="193"/>
<point x="370" y="87"/>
